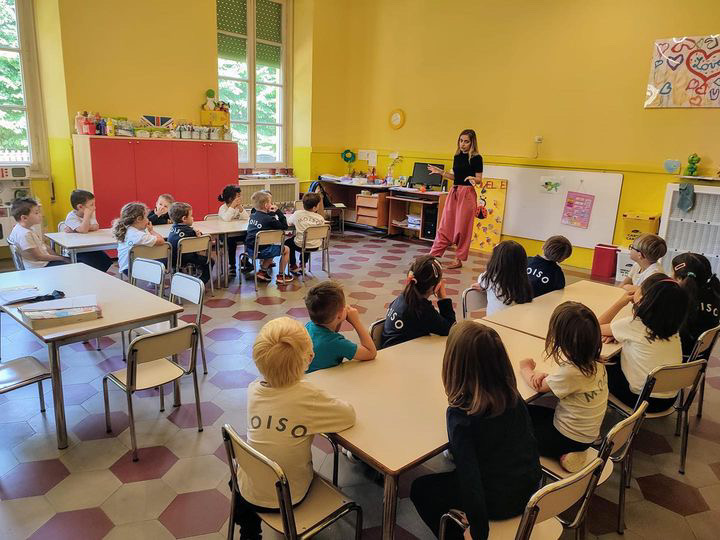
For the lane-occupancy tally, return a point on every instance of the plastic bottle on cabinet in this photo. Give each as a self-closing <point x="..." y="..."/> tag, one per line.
<point x="79" y="122"/>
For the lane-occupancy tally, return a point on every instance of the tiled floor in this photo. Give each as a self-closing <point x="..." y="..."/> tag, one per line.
<point x="179" y="487"/>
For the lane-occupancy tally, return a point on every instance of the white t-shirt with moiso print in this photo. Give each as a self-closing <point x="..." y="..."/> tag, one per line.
<point x="302" y="219"/>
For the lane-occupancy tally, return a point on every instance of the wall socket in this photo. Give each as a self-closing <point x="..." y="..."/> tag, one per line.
<point x="538" y="139"/>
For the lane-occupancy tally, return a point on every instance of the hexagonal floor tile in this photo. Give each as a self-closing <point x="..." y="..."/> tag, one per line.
<point x="672" y="494"/>
<point x="196" y="473"/>
<point x="357" y="258"/>
<point x="138" y="501"/>
<point x="361" y="295"/>
<point x="238" y="378"/>
<point x="269" y="300"/>
<point x="350" y="266"/>
<point x="391" y="258"/>
<point x="341" y="275"/>
<point x="112" y="363"/>
<point x="154" y="462"/>
<point x="185" y="415"/>
<point x="221" y="453"/>
<point x="93" y="523"/>
<point x="32" y="478"/>
<point x="379" y="274"/>
<point x="298" y="313"/>
<point x="75" y="394"/>
<point x="361" y="309"/>
<point x="193" y="514"/>
<point x="365" y="251"/>
<point x="370" y="284"/>
<point x="92" y="427"/>
<point x="91" y="345"/>
<point x="716" y="469"/>
<point x="385" y="265"/>
<point x="14" y="433"/>
<point x="219" y="302"/>
<point x="192" y="318"/>
<point x="142" y="530"/>
<point x="224" y="334"/>
<point x="602" y="515"/>
<point x="93" y="455"/>
<point x="651" y="443"/>
<point x="83" y="490"/>
<point x="250" y="315"/>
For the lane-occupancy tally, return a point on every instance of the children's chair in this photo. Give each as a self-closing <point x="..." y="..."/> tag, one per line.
<point x="299" y="205"/>
<point x="568" y="496"/>
<point x="160" y="252"/>
<point x="266" y="238"/>
<point x="314" y="233"/>
<point x="23" y="372"/>
<point x="16" y="256"/>
<point x="375" y="331"/>
<point x="473" y="300"/>
<point x="148" y="366"/>
<point x="195" y="244"/>
<point x="322" y="506"/>
<point x="702" y="349"/>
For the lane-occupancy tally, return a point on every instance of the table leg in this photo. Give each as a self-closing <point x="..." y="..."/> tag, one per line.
<point x="58" y="398"/>
<point x="389" y="507"/>
<point x="226" y="256"/>
<point x="218" y="262"/>
<point x="176" y="383"/>
<point x="73" y="256"/>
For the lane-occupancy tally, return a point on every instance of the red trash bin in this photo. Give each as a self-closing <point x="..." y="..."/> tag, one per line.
<point x="604" y="261"/>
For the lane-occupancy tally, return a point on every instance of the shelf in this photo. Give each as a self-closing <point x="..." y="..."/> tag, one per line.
<point x="706" y="178"/>
<point x="407" y="199"/>
<point x="406" y="227"/>
<point x="697" y="221"/>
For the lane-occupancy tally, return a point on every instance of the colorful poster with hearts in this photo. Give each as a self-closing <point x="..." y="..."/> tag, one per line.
<point x="488" y="230"/>
<point x="685" y="72"/>
<point x="577" y="209"/>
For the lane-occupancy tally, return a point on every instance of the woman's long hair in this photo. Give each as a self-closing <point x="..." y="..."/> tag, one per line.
<point x="473" y="143"/>
<point x="129" y="214"/>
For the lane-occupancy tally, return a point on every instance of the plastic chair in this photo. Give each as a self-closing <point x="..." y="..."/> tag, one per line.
<point x="314" y="233"/>
<point x="322" y="506"/>
<point x="266" y="238"/>
<point x="673" y="378"/>
<point x="615" y="448"/>
<point x="195" y="244"/>
<point x="702" y="349"/>
<point x="149" y="367"/>
<point x="473" y="300"/>
<point x="16" y="256"/>
<point x="299" y="205"/>
<point x="547" y="503"/>
<point x="375" y="330"/>
<point x="23" y="372"/>
<point x="190" y="289"/>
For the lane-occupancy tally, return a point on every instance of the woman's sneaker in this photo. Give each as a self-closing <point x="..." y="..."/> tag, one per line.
<point x="284" y="278"/>
<point x="574" y="461"/>
<point x="262" y="275"/>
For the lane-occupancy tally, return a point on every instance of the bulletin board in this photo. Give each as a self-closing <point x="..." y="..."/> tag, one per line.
<point x="487" y="231"/>
<point x="536" y="203"/>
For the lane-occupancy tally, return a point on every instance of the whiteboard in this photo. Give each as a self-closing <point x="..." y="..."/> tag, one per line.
<point x="532" y="213"/>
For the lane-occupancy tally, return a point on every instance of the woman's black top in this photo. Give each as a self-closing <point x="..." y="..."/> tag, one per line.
<point x="462" y="168"/>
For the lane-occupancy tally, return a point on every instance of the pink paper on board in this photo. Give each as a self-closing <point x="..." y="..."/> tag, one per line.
<point x="577" y="209"/>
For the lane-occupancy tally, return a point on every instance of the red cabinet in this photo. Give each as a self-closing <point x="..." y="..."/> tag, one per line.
<point x="120" y="170"/>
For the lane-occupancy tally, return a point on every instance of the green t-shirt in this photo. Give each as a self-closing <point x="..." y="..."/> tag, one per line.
<point x="330" y="347"/>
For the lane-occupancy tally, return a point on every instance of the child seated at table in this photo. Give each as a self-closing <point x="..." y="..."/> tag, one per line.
<point x="160" y="214"/>
<point x="505" y="279"/>
<point x="649" y="338"/>
<point x="412" y="314"/>
<point x="286" y="411"/>
<point x="497" y="467"/>
<point x="326" y="306"/>
<point x="133" y="228"/>
<point x="544" y="270"/>
<point x="645" y="252"/>
<point x="267" y="217"/>
<point x="694" y="274"/>
<point x="231" y="210"/>
<point x="81" y="219"/>
<point x="302" y="219"/>
<point x="33" y="251"/>
<point x="574" y="343"/>
<point x="182" y="218"/>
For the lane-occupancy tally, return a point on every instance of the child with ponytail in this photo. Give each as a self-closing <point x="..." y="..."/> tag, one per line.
<point x="694" y="274"/>
<point x="412" y="315"/>
<point x="133" y="228"/>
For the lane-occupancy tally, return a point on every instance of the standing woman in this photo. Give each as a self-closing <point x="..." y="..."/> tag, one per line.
<point x="456" y="225"/>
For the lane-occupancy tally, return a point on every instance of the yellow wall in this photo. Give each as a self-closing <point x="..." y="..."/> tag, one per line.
<point x="573" y="72"/>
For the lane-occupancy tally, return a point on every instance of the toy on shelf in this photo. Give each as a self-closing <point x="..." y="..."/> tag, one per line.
<point x="210" y="103"/>
<point x="692" y="169"/>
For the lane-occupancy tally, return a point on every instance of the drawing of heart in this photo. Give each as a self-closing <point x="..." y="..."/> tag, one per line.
<point x="717" y="81"/>
<point x="675" y="61"/>
<point x="712" y="42"/>
<point x="694" y="83"/>
<point x="714" y="93"/>
<point x="683" y="43"/>
<point x="658" y="63"/>
<point x="704" y="65"/>
<point x="666" y="89"/>
<point x="662" y="47"/>
<point x="695" y="100"/>
<point x="702" y="89"/>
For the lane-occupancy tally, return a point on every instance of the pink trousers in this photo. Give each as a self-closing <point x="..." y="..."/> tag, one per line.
<point x="456" y="224"/>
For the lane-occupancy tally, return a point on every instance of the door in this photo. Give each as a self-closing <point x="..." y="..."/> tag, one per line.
<point x="222" y="170"/>
<point x="190" y="175"/>
<point x="153" y="170"/>
<point x="113" y="169"/>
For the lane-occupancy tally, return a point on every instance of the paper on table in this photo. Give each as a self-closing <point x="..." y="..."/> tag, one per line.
<point x="339" y="205"/>
<point x="18" y="294"/>
<point x="87" y="300"/>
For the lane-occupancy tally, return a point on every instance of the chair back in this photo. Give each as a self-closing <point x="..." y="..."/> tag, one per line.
<point x="148" y="270"/>
<point x="211" y="217"/>
<point x="675" y="377"/>
<point x="376" y="329"/>
<point x="619" y="439"/>
<point x="192" y="244"/>
<point x="268" y="238"/>
<point x="157" y="252"/>
<point x="262" y="471"/>
<point x="472" y="300"/>
<point x="188" y="288"/>
<point x="317" y="232"/>
<point x="553" y="499"/>
<point x="157" y="345"/>
<point x="704" y="344"/>
<point x="16" y="257"/>
<point x="299" y="205"/>
<point x="61" y="226"/>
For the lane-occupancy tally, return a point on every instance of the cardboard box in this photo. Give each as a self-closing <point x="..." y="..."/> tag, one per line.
<point x="637" y="223"/>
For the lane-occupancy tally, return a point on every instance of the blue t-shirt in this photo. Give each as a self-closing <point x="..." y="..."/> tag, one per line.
<point x="330" y="347"/>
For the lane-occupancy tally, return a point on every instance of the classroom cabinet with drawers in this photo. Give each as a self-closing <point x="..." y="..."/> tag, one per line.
<point x="371" y="210"/>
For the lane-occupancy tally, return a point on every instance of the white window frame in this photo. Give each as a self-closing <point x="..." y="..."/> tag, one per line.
<point x="285" y="86"/>
<point x="30" y="74"/>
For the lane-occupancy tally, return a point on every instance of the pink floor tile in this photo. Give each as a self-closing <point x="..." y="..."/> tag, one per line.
<point x="232" y="379"/>
<point x="185" y="416"/>
<point x="153" y="462"/>
<point x="87" y="524"/>
<point x="196" y="513"/>
<point x="249" y="315"/>
<point x="32" y="478"/>
<point x="93" y="426"/>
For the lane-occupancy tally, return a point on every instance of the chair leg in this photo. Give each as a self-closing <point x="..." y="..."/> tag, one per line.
<point x="42" y="396"/>
<point x="231" y="522"/>
<point x="701" y="397"/>
<point x="122" y="341"/>
<point x="678" y="421"/>
<point x="358" y="522"/>
<point x="621" y="498"/>
<point x="197" y="400"/>
<point x="212" y="286"/>
<point x="162" y="398"/>
<point x="97" y="343"/>
<point x="202" y="350"/>
<point x="628" y="476"/>
<point x="108" y="426"/>
<point x="327" y="254"/>
<point x="684" y="441"/>
<point x="133" y="440"/>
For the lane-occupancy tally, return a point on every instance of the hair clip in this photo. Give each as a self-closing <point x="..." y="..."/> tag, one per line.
<point x="410" y="278"/>
<point x="691" y="274"/>
<point x="679" y="266"/>
<point x="435" y="266"/>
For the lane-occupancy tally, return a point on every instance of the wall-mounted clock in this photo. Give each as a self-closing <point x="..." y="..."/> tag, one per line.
<point x="397" y="118"/>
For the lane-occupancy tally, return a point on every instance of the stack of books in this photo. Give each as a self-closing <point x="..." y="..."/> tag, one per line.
<point x="413" y="221"/>
<point x="63" y="311"/>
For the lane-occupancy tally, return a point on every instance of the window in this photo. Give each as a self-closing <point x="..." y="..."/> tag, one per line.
<point x="253" y="79"/>
<point x="14" y="139"/>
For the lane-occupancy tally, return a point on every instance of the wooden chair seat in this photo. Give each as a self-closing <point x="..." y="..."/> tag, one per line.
<point x="555" y="469"/>
<point x="629" y="410"/>
<point x="21" y="372"/>
<point x="550" y="529"/>
<point x="150" y="374"/>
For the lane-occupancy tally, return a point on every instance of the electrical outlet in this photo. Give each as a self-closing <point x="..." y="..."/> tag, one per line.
<point x="538" y="139"/>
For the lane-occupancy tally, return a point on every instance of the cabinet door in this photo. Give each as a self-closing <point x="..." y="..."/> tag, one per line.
<point x="222" y="170"/>
<point x="113" y="168"/>
<point x="153" y="170"/>
<point x="190" y="175"/>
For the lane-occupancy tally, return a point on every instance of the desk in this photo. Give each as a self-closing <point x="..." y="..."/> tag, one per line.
<point x="432" y="206"/>
<point x="400" y="404"/>
<point x="346" y="193"/>
<point x="533" y="318"/>
<point x="124" y="307"/>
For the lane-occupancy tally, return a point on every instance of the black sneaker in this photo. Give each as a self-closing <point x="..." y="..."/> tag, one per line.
<point x="232" y="272"/>
<point x="262" y="275"/>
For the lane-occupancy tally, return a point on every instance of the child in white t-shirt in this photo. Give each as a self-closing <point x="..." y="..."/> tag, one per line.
<point x="574" y="343"/>
<point x="302" y="219"/>
<point x="285" y="412"/>
<point x="133" y="228"/>
<point x="649" y="338"/>
<point x="645" y="252"/>
<point x="81" y="219"/>
<point x="34" y="252"/>
<point x="232" y="209"/>
<point x="505" y="279"/>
